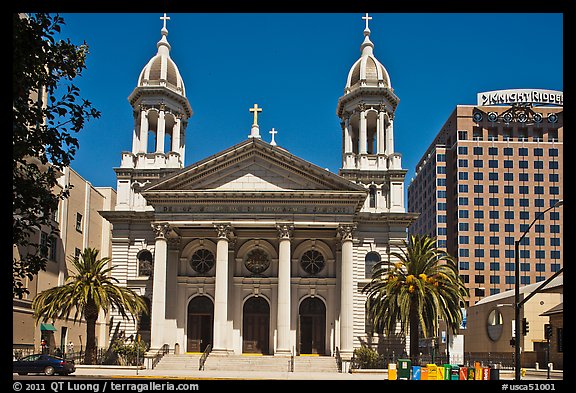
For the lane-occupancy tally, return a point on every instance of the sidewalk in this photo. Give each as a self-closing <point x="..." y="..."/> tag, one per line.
<point x="380" y="375"/>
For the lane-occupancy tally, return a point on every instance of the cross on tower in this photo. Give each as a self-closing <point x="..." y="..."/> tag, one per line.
<point x="367" y="18"/>
<point x="255" y="110"/>
<point x="273" y="132"/>
<point x="165" y="18"/>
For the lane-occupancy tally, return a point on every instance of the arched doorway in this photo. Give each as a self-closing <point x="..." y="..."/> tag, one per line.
<point x="200" y="323"/>
<point x="312" y="329"/>
<point x="256" y="326"/>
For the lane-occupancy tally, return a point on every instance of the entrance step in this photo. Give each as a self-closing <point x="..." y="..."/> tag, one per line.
<point x="179" y="362"/>
<point x="326" y="364"/>
<point x="248" y="362"/>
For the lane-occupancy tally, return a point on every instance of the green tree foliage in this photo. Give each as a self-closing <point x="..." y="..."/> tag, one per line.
<point x="89" y="289"/>
<point x="47" y="111"/>
<point x="417" y="291"/>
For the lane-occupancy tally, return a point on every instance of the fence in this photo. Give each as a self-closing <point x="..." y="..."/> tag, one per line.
<point x="504" y="361"/>
<point x="103" y="355"/>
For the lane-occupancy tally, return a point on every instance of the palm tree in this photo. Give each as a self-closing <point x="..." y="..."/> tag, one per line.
<point x="416" y="291"/>
<point x="86" y="292"/>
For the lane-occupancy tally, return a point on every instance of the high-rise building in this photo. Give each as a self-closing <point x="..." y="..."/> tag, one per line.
<point x="491" y="171"/>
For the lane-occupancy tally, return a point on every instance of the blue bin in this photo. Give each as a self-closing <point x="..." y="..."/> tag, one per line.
<point x="416" y="373"/>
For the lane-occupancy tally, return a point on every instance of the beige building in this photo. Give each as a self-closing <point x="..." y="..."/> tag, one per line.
<point x="490" y="326"/>
<point x="80" y="226"/>
<point x="490" y="172"/>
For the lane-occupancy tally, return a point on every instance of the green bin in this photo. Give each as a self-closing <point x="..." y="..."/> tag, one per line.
<point x="404" y="367"/>
<point x="447" y="371"/>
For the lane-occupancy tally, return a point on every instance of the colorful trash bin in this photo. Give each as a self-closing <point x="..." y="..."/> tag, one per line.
<point x="424" y="373"/>
<point x="447" y="370"/>
<point x="440" y="373"/>
<point x="392" y="374"/>
<point x="432" y="371"/>
<point x="454" y="372"/>
<point x="416" y="373"/>
<point x="404" y="366"/>
<point x="463" y="373"/>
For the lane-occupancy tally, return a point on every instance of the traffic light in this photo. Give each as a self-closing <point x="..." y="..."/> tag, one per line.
<point x="513" y="342"/>
<point x="547" y="331"/>
<point x="525" y="327"/>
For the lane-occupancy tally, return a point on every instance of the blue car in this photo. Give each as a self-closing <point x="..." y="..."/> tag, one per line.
<point x="45" y="364"/>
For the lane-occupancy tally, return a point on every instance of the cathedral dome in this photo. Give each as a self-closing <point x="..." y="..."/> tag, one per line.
<point x="367" y="70"/>
<point x="161" y="69"/>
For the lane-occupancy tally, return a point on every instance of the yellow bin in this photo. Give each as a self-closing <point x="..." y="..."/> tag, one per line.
<point x="440" y="373"/>
<point x="432" y="371"/>
<point x="392" y="372"/>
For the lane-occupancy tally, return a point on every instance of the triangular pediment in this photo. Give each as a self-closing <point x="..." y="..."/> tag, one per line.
<point x="253" y="166"/>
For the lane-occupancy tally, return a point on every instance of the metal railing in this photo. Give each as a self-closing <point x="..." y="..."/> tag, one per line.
<point x="160" y="354"/>
<point x="338" y="360"/>
<point x="204" y="357"/>
<point x="291" y="363"/>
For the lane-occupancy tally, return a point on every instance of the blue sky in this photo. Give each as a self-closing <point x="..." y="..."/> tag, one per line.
<point x="295" y="67"/>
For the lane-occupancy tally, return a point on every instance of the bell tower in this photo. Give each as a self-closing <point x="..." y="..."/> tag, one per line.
<point x="161" y="112"/>
<point x="367" y="111"/>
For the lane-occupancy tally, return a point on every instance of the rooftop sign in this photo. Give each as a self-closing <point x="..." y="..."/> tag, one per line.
<point x="521" y="96"/>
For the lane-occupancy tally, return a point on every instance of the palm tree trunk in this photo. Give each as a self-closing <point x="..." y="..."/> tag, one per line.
<point x="91" y="315"/>
<point x="414" y="335"/>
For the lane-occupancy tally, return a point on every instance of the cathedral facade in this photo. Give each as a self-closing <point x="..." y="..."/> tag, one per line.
<point x="255" y="250"/>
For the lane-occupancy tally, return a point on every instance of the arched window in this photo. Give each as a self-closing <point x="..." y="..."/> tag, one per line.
<point x="372" y="258"/>
<point x="312" y="262"/>
<point x="257" y="261"/>
<point x="145" y="263"/>
<point x="202" y="261"/>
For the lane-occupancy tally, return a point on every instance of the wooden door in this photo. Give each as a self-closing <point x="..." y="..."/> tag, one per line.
<point x="256" y="326"/>
<point x="200" y="324"/>
<point x="312" y="329"/>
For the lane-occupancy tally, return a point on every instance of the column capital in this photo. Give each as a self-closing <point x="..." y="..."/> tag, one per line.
<point x="161" y="229"/>
<point x="285" y="230"/>
<point x="345" y="231"/>
<point x="224" y="230"/>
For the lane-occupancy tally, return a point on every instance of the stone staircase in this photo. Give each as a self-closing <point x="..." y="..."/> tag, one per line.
<point x="326" y="364"/>
<point x="179" y="362"/>
<point x="247" y="362"/>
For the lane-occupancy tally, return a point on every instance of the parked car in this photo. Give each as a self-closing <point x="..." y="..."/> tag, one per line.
<point x="46" y="364"/>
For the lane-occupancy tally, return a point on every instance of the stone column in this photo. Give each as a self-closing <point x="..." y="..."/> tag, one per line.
<point x="220" y="343"/>
<point x="143" y="146"/>
<point x="176" y="135"/>
<point x="346" y="291"/>
<point x="161" y="131"/>
<point x="380" y="131"/>
<point x="136" y="134"/>
<point x="390" y="135"/>
<point x="159" y="286"/>
<point x="363" y="138"/>
<point x="283" y="317"/>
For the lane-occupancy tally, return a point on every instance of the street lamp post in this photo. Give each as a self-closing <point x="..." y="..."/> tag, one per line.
<point x="517" y="303"/>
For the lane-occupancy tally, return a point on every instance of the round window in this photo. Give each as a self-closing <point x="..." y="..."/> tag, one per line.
<point x="312" y="262"/>
<point x="202" y="261"/>
<point x="257" y="261"/>
<point x="495" y="325"/>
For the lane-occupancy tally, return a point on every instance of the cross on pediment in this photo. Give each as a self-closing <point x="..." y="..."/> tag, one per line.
<point x="273" y="132"/>
<point x="255" y="110"/>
